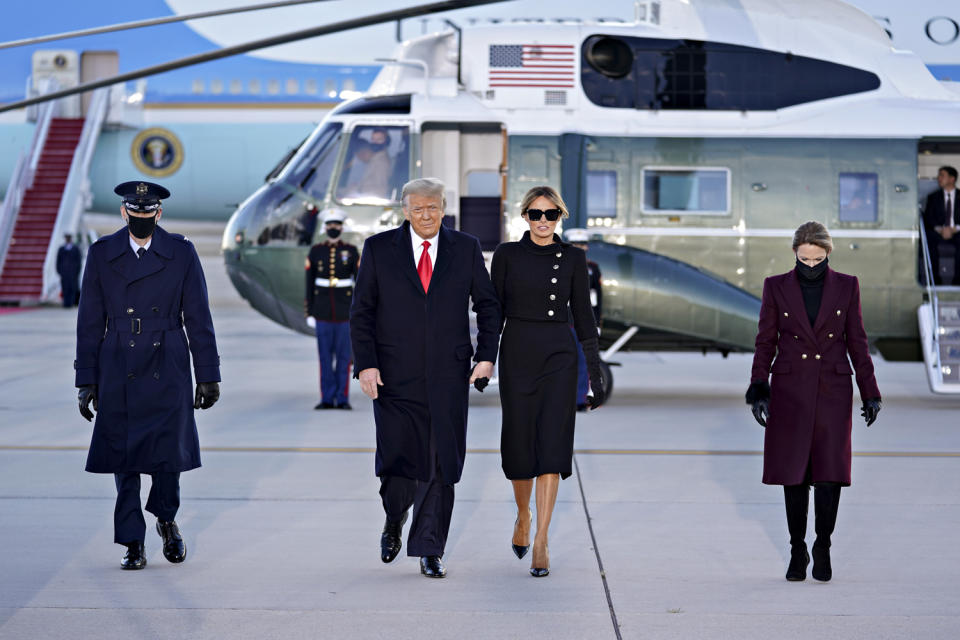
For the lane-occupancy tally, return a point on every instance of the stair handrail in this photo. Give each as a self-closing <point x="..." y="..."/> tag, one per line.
<point x="22" y="177"/>
<point x="11" y="204"/>
<point x="76" y="191"/>
<point x="931" y="293"/>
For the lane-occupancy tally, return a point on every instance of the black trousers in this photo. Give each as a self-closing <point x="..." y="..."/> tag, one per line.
<point x="432" y="503"/>
<point x="70" y="290"/>
<point x="163" y="502"/>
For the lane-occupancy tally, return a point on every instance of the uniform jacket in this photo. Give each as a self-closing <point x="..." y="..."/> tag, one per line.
<point x="420" y="342"/>
<point x="811" y="395"/>
<point x="68" y="261"/>
<point x="131" y="343"/>
<point x="325" y="261"/>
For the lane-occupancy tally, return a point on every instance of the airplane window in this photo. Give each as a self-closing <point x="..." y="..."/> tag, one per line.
<point x="310" y="86"/>
<point x="601" y="194"/>
<point x="197" y="86"/>
<point x="254" y="86"/>
<point x="691" y="74"/>
<point x="236" y="86"/>
<point x="858" y="197"/>
<point x="273" y="86"/>
<point x="293" y="86"/>
<point x="377" y="165"/>
<point x="679" y="190"/>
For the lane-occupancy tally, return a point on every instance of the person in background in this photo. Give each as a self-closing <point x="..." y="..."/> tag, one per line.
<point x="941" y="221"/>
<point x="810" y="321"/>
<point x="580" y="238"/>
<point x="331" y="268"/>
<point x="142" y="286"/>
<point x="68" y="268"/>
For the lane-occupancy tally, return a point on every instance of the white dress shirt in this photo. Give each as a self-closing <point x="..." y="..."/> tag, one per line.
<point x="418" y="247"/>
<point x="135" y="246"/>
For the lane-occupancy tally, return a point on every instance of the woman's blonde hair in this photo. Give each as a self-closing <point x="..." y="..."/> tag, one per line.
<point x="813" y="233"/>
<point x="547" y="192"/>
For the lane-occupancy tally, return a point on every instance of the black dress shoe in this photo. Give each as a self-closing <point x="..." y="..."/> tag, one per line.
<point x="174" y="549"/>
<point x="324" y="405"/>
<point x="537" y="572"/>
<point x="797" y="569"/>
<point x="390" y="543"/>
<point x="134" y="558"/>
<point x="520" y="551"/>
<point x="822" y="570"/>
<point x="432" y="567"/>
<point x="345" y="405"/>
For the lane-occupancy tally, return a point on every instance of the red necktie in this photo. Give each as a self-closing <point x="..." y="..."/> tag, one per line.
<point x="425" y="267"/>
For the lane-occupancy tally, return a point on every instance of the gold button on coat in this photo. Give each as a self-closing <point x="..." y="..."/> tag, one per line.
<point x="553" y="296"/>
<point x="829" y="335"/>
<point x="786" y="315"/>
<point x="553" y="280"/>
<point x="550" y="313"/>
<point x="803" y="357"/>
<point x="817" y="356"/>
<point x="129" y="311"/>
<point x="838" y="311"/>
<point x="559" y="254"/>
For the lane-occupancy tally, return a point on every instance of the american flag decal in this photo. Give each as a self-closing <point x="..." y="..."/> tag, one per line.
<point x="532" y="65"/>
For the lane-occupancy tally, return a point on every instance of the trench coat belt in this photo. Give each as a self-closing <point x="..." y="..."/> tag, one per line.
<point x="126" y="324"/>
<point x="335" y="283"/>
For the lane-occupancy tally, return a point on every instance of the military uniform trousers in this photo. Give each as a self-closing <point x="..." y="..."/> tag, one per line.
<point x="70" y="287"/>
<point x="333" y="347"/>
<point x="432" y="503"/>
<point x="163" y="502"/>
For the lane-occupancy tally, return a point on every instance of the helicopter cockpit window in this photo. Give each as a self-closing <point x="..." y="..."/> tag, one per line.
<point x="686" y="191"/>
<point x="311" y="168"/>
<point x="858" y="197"/>
<point x="376" y="167"/>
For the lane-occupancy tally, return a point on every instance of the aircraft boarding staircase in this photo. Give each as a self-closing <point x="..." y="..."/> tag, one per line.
<point x="939" y="319"/>
<point x="46" y="197"/>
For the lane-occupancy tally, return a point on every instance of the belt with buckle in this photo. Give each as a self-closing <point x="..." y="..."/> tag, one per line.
<point x="126" y="324"/>
<point x="333" y="283"/>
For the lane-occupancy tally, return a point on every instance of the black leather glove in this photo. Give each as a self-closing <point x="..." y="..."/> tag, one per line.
<point x="871" y="408"/>
<point x="207" y="394"/>
<point x="761" y="411"/>
<point x="591" y="352"/>
<point x="480" y="383"/>
<point x="87" y="393"/>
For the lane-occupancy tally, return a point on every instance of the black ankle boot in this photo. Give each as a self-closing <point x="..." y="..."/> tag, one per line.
<point x="826" y="502"/>
<point x="797" y="500"/>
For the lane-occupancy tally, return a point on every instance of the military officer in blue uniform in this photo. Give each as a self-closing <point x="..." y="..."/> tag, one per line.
<point x="69" y="262"/>
<point x="331" y="267"/>
<point x="142" y="286"/>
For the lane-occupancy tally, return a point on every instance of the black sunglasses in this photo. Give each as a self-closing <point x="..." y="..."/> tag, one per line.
<point x="552" y="214"/>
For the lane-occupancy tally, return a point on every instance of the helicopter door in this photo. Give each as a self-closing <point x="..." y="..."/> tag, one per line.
<point x="469" y="159"/>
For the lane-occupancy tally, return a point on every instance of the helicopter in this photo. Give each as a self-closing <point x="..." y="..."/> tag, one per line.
<point x="689" y="142"/>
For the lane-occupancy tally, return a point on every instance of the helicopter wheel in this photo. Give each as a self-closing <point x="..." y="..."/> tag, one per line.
<point x="607" y="374"/>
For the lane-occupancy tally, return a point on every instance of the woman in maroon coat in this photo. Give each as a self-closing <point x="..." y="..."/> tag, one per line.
<point x="810" y="320"/>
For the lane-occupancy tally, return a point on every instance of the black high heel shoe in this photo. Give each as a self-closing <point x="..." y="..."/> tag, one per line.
<point x="541" y="572"/>
<point x="521" y="550"/>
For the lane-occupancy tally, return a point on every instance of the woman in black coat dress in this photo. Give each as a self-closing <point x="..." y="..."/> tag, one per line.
<point x="536" y="279"/>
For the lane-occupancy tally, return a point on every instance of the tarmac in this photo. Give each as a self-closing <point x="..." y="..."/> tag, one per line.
<point x="664" y="530"/>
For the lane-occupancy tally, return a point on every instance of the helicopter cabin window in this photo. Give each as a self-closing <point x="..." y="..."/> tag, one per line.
<point x="656" y="73"/>
<point x="310" y="169"/>
<point x="601" y="194"/>
<point x="858" y="197"/>
<point x="686" y="191"/>
<point x="376" y="166"/>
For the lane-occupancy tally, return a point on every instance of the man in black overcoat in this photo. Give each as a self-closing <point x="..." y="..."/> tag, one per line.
<point x="410" y="329"/>
<point x="142" y="287"/>
<point x="941" y="221"/>
<point x="68" y="268"/>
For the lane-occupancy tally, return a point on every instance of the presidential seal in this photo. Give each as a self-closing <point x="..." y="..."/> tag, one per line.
<point x="157" y="152"/>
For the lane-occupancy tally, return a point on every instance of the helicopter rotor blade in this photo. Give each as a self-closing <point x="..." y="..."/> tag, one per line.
<point x="137" y="24"/>
<point x="303" y="34"/>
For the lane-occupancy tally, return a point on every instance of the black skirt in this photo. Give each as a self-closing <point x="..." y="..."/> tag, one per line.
<point x="538" y="397"/>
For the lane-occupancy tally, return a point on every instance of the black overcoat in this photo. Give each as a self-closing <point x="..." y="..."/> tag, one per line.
<point x="131" y="343"/>
<point x="420" y="342"/>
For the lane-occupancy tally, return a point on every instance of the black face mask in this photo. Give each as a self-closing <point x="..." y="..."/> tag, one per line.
<point x="142" y="227"/>
<point x="812" y="273"/>
<point x="333" y="233"/>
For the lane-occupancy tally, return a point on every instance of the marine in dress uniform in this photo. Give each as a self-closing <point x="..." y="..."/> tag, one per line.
<point x="68" y="268"/>
<point x="141" y="288"/>
<point x="331" y="269"/>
